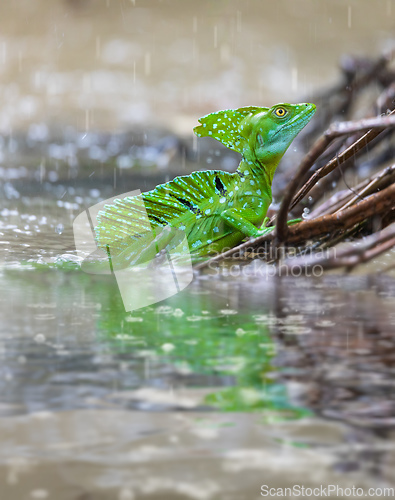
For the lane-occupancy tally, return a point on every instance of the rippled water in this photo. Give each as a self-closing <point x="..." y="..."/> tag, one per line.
<point x="300" y="369"/>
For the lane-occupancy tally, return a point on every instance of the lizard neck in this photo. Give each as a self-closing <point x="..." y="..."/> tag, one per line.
<point x="261" y="174"/>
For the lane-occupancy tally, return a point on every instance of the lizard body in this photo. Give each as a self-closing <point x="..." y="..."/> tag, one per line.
<point x="215" y="209"/>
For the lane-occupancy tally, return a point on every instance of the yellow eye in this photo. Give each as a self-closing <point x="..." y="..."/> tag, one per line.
<point x="280" y="112"/>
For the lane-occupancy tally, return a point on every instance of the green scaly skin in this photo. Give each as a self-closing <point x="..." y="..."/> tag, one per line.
<point x="215" y="209"/>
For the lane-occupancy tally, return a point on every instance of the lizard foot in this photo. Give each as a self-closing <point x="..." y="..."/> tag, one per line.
<point x="294" y="221"/>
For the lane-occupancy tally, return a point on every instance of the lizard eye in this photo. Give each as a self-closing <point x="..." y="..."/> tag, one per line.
<point x="280" y="112"/>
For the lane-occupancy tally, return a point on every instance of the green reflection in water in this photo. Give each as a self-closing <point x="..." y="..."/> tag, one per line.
<point x="195" y="333"/>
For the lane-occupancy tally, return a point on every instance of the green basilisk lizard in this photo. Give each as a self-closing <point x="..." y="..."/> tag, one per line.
<point x="214" y="209"/>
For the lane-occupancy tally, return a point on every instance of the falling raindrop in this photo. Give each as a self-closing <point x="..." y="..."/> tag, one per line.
<point x="59" y="228"/>
<point x="306" y="212"/>
<point x="147" y="63"/>
<point x="98" y="47"/>
<point x="294" y="79"/>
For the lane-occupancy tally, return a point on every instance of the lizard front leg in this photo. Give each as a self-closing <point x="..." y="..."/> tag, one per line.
<point x="237" y="219"/>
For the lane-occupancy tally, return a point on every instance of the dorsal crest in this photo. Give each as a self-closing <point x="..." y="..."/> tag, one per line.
<point x="227" y="126"/>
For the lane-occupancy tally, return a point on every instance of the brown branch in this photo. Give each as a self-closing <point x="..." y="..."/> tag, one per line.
<point x="348" y="153"/>
<point x="349" y="256"/>
<point x="378" y="203"/>
<point x="325" y="184"/>
<point x="376" y="125"/>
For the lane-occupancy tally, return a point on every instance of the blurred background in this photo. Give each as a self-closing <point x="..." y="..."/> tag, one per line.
<point x="109" y="64"/>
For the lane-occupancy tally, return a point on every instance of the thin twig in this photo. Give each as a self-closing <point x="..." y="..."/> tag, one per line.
<point x="368" y="189"/>
<point x="384" y="178"/>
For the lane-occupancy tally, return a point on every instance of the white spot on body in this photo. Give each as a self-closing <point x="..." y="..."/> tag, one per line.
<point x="196" y="244"/>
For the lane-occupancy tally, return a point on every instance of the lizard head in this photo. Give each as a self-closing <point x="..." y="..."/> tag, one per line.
<point x="261" y="135"/>
<point x="268" y="134"/>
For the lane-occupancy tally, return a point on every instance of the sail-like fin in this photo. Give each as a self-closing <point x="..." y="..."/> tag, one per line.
<point x="125" y="221"/>
<point x="224" y="126"/>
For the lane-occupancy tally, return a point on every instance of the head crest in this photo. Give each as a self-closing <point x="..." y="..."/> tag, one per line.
<point x="224" y="126"/>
